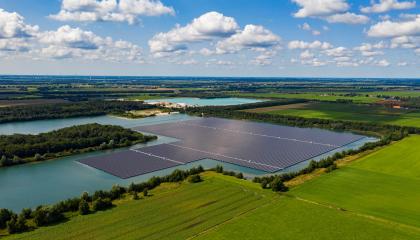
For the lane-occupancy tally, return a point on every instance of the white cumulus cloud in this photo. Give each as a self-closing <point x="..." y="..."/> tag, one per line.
<point x="206" y="27"/>
<point x="349" y="18"/>
<point x="110" y="10"/>
<point x="311" y="8"/>
<point x="12" y="25"/>
<point x="388" y="5"/>
<point x="394" y="29"/>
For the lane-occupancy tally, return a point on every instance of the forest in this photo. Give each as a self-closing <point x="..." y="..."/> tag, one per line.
<point x="23" y="148"/>
<point x="66" y="110"/>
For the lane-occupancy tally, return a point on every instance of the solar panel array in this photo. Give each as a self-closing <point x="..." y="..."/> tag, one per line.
<point x="260" y="146"/>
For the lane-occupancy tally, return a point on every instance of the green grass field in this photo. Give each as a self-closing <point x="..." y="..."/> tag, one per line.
<point x="332" y="97"/>
<point x="349" y="112"/>
<point x="385" y="184"/>
<point x="221" y="207"/>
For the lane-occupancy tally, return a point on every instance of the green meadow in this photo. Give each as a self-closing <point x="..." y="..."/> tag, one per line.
<point x="222" y="207"/>
<point x="385" y="184"/>
<point x="348" y="112"/>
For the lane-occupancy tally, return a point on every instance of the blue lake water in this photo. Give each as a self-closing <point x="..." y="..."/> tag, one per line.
<point x="208" y="101"/>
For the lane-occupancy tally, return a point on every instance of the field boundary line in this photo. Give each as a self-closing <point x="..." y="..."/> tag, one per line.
<point x="232" y="219"/>
<point x="367" y="216"/>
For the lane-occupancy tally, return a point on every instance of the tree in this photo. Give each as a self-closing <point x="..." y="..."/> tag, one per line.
<point x="101" y="204"/>
<point x="194" y="178"/>
<point x="135" y="196"/>
<point x="277" y="185"/>
<point x="5" y="215"/>
<point x="17" y="224"/>
<point x="219" y="169"/>
<point x="145" y="192"/>
<point x="4" y="161"/>
<point x="83" y="207"/>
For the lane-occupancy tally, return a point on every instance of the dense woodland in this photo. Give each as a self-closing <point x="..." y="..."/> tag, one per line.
<point x="23" y="148"/>
<point x="65" y="110"/>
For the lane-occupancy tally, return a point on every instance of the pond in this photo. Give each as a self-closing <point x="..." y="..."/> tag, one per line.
<point x="207" y="101"/>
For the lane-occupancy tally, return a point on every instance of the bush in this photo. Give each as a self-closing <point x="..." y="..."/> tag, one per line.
<point x="101" y="204"/>
<point x="145" y="192"/>
<point x="5" y="215"/>
<point x="83" y="207"/>
<point x="219" y="169"/>
<point x="277" y="185"/>
<point x="194" y="178"/>
<point x="17" y="224"/>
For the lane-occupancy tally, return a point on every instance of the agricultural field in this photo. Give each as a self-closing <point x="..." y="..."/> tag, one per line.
<point x="347" y="112"/>
<point x="221" y="207"/>
<point x="396" y="93"/>
<point x="385" y="184"/>
<point x="321" y="96"/>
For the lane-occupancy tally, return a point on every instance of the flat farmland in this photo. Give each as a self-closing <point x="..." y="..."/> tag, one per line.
<point x="221" y="207"/>
<point x="347" y="112"/>
<point x="385" y="184"/>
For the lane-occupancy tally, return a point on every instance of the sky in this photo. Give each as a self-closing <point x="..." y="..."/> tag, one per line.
<point x="268" y="38"/>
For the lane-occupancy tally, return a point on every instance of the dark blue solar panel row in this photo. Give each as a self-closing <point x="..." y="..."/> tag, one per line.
<point x="260" y="146"/>
<point x="126" y="164"/>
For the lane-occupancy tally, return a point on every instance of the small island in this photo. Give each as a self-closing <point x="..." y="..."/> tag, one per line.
<point x="24" y="148"/>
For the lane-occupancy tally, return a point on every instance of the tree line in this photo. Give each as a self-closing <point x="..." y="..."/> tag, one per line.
<point x="100" y="200"/>
<point x="66" y="110"/>
<point x="23" y="148"/>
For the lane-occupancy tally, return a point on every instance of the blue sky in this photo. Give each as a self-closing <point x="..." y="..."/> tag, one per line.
<point x="308" y="38"/>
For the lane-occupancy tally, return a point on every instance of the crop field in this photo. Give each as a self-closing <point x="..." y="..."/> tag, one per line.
<point x="332" y="97"/>
<point x="221" y="207"/>
<point x="385" y="184"/>
<point x="348" y="112"/>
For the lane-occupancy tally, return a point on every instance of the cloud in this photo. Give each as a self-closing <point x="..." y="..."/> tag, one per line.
<point x="309" y="45"/>
<point x="72" y="38"/>
<point x="388" y="5"/>
<point x="338" y="52"/>
<point x="368" y="50"/>
<point x="208" y="26"/>
<point x="252" y="36"/>
<point x="382" y="63"/>
<point x="110" y="10"/>
<point x="14" y="45"/>
<point x="311" y="8"/>
<point x="395" y="29"/>
<point x="405" y="42"/>
<point x="12" y="25"/>
<point x="349" y="18"/>
<point x="305" y="26"/>
<point x="306" y="55"/>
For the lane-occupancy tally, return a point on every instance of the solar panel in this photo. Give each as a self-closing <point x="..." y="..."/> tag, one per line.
<point x="126" y="164"/>
<point x="261" y="146"/>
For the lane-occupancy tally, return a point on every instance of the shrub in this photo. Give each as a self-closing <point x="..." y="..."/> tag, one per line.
<point x="277" y="185"/>
<point x="83" y="207"/>
<point x="194" y="178"/>
<point x="101" y="204"/>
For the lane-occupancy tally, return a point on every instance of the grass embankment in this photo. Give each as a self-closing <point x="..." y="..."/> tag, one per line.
<point x="384" y="184"/>
<point x="348" y="112"/>
<point x="321" y="96"/>
<point x="220" y="207"/>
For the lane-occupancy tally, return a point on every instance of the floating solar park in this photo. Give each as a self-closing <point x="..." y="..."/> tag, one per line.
<point x="260" y="146"/>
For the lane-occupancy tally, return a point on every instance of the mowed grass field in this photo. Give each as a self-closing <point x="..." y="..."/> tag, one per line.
<point x="385" y="184"/>
<point x="348" y="112"/>
<point x="332" y="97"/>
<point x="221" y="207"/>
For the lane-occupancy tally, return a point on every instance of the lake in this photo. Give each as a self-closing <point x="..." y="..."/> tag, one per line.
<point x="48" y="182"/>
<point x="207" y="101"/>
